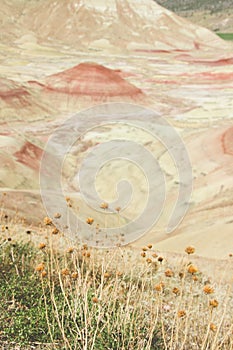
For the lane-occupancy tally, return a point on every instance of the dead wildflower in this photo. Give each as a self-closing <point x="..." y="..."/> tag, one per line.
<point x="213" y="327"/>
<point x="192" y="269"/>
<point x="176" y="291"/>
<point x="67" y="199"/>
<point x="104" y="205"/>
<point x="144" y="249"/>
<point x="181" y="313"/>
<point x="95" y="300"/>
<point x="70" y="250"/>
<point x="160" y="259"/>
<point x="143" y="254"/>
<point x="89" y="221"/>
<point x="74" y="275"/>
<point x="208" y="289"/>
<point x="85" y="247"/>
<point x="43" y="274"/>
<point x="169" y="273"/>
<point x="159" y="287"/>
<point x="148" y="260"/>
<point x="149" y="246"/>
<point x="42" y="245"/>
<point x="195" y="278"/>
<point x="119" y="274"/>
<point x="40" y="267"/>
<point x="213" y="303"/>
<point x="190" y="250"/>
<point x="65" y="272"/>
<point x="47" y="221"/>
<point x="107" y="275"/>
<point x="57" y="215"/>
<point x="88" y="254"/>
<point x="55" y="231"/>
<point x="154" y="255"/>
<point x="181" y="274"/>
<point x="118" y="209"/>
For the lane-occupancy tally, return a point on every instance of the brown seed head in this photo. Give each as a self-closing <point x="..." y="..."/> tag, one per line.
<point x="192" y="269"/>
<point x="43" y="274"/>
<point x="104" y="205"/>
<point x="57" y="215"/>
<point x="65" y="272"/>
<point x="55" y="231"/>
<point x="74" y="275"/>
<point x="213" y="303"/>
<point x="47" y="221"/>
<point x="149" y="246"/>
<point x="42" y="245"/>
<point x="169" y="273"/>
<point x="181" y="313"/>
<point x="40" y="267"/>
<point x="95" y="300"/>
<point x="208" y="289"/>
<point x="176" y="291"/>
<point x="160" y="259"/>
<point x="213" y="327"/>
<point x="89" y="221"/>
<point x="143" y="254"/>
<point x="190" y="250"/>
<point x="70" y="250"/>
<point x="154" y="255"/>
<point x="159" y="287"/>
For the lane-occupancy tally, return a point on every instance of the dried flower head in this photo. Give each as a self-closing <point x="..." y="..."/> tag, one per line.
<point x="181" y="274"/>
<point x="144" y="249"/>
<point x="213" y="303"/>
<point x="107" y="275"/>
<point x="118" y="209"/>
<point x="42" y="245"/>
<point x="43" y="274"/>
<point x="47" y="221"/>
<point x="57" y="215"/>
<point x="70" y="250"/>
<point x="95" y="300"/>
<point x="159" y="287"/>
<point x="119" y="274"/>
<point x="104" y="205"/>
<point x="192" y="269"/>
<point x="213" y="327"/>
<point x="65" y="272"/>
<point x="154" y="255"/>
<point x="74" y="275"/>
<point x="55" y="231"/>
<point x="160" y="259"/>
<point x="148" y="260"/>
<point x="208" y="289"/>
<point x="181" y="313"/>
<point x="190" y="250"/>
<point x="176" y="291"/>
<point x="169" y="273"/>
<point x="89" y="221"/>
<point x="40" y="267"/>
<point x="143" y="254"/>
<point x="149" y="246"/>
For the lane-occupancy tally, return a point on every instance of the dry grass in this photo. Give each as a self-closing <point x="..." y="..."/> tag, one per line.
<point x="110" y="299"/>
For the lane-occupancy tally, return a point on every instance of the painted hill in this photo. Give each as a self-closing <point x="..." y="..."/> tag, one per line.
<point x="119" y="25"/>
